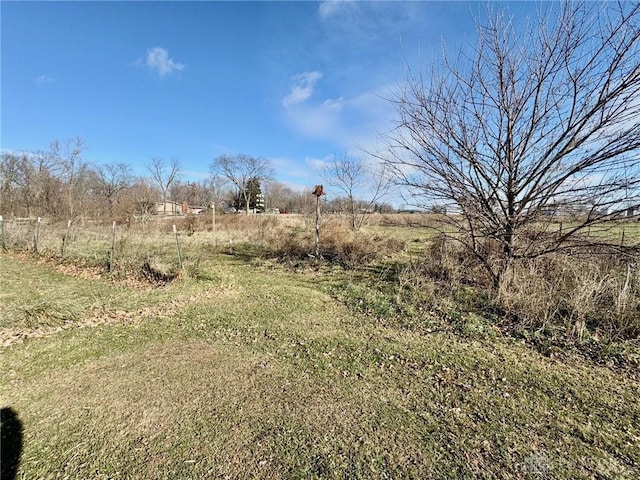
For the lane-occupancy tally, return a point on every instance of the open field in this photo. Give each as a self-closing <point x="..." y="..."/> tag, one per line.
<point x="244" y="368"/>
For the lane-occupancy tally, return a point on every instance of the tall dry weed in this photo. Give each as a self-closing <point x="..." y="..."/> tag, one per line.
<point x="578" y="295"/>
<point x="338" y="244"/>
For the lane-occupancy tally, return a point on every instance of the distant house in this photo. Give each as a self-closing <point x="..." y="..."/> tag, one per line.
<point x="193" y="210"/>
<point x="168" y="208"/>
<point x="175" y="208"/>
<point x="630" y="211"/>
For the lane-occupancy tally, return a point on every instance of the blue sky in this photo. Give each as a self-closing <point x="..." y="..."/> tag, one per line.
<point x="291" y="81"/>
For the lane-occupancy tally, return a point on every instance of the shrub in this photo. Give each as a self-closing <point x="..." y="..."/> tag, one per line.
<point x="157" y="272"/>
<point x="557" y="302"/>
<point x="573" y="296"/>
<point x="338" y="244"/>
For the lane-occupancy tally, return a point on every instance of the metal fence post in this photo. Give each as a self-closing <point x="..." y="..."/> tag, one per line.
<point x="113" y="246"/>
<point x="36" y="237"/>
<point x="175" y="233"/>
<point x="3" y="242"/>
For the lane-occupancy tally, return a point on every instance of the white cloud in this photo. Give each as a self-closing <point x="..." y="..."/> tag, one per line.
<point x="44" y="80"/>
<point x="369" y="24"/>
<point x="157" y="60"/>
<point x="349" y="123"/>
<point x="297" y="175"/>
<point x="290" y="166"/>
<point x="302" y="88"/>
<point x="331" y="7"/>
<point x="319" y="121"/>
<point x="317" y="164"/>
<point x="333" y="104"/>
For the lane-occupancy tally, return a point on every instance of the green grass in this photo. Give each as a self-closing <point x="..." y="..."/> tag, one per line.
<point x="248" y="371"/>
<point x="35" y="295"/>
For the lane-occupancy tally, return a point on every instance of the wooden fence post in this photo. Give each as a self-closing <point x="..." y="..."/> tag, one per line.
<point x="318" y="192"/>
<point x="317" y="228"/>
<point x="213" y="228"/>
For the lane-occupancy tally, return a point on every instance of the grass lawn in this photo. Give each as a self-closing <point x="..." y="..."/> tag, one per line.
<point x="256" y="372"/>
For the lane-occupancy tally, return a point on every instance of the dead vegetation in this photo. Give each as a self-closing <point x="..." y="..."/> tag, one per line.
<point x="559" y="301"/>
<point x="279" y="380"/>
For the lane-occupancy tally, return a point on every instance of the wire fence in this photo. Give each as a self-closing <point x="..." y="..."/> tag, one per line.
<point x="106" y="245"/>
<point x="170" y="241"/>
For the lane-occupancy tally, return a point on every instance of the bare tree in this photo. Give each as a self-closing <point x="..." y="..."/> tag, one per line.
<point x="73" y="174"/>
<point x="59" y="183"/>
<point x="28" y="185"/>
<point x="10" y="167"/>
<point x="164" y="176"/>
<point x="211" y="190"/>
<point x="534" y="123"/>
<point x="239" y="170"/>
<point x="277" y="195"/>
<point x="354" y="177"/>
<point x="138" y="200"/>
<point x="110" y="181"/>
<point x="39" y="186"/>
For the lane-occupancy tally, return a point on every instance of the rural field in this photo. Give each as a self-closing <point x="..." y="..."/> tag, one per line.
<point x="382" y="359"/>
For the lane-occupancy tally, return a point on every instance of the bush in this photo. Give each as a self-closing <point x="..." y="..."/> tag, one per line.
<point x="573" y="296"/>
<point x="157" y="272"/>
<point x="560" y="302"/>
<point x="338" y="245"/>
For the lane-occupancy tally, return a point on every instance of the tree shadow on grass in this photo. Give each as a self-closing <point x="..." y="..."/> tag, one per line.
<point x="11" y="444"/>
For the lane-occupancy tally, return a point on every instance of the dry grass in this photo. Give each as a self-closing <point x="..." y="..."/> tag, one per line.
<point x="152" y="243"/>
<point x="278" y="380"/>
<point x="574" y="297"/>
<point x="338" y="245"/>
<point x="595" y="296"/>
<point x="560" y="304"/>
<point x="581" y="298"/>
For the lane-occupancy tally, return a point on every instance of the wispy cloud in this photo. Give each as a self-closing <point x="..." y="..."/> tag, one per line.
<point x="391" y="29"/>
<point x="302" y="88"/>
<point x="348" y="122"/>
<point x="330" y="8"/>
<point x="44" y="80"/>
<point x="297" y="174"/>
<point x="158" y="61"/>
<point x="292" y="168"/>
<point x="317" y="164"/>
